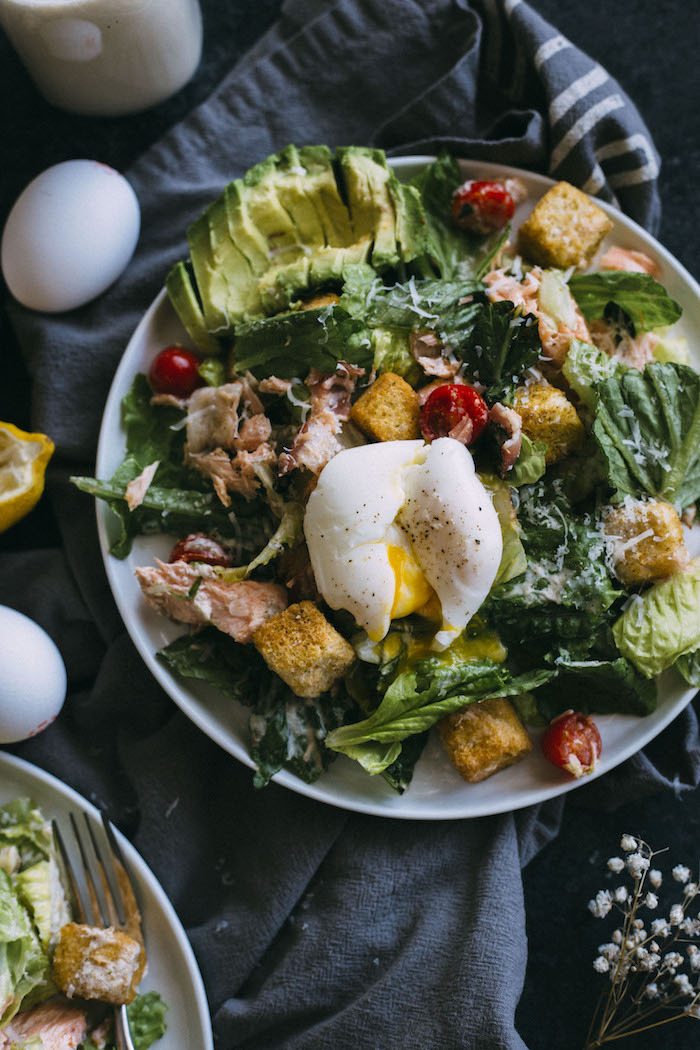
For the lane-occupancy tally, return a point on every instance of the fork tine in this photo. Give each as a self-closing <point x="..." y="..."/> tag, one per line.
<point x="98" y="907"/>
<point x="70" y="879"/>
<point x="126" y="893"/>
<point x="113" y="904"/>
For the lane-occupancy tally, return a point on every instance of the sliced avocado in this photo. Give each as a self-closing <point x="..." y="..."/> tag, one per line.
<point x="226" y="297"/>
<point x="243" y="298"/>
<point x="245" y="234"/>
<point x="412" y="234"/>
<point x="296" y="192"/>
<point x="366" y="178"/>
<point x="188" y="308"/>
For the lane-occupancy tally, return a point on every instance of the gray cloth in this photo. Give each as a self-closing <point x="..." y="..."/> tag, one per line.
<point x="313" y="927"/>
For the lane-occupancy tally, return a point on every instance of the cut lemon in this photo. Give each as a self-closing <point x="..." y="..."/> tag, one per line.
<point x="23" y="459"/>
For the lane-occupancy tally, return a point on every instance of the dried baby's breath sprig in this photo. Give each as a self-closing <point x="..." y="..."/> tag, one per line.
<point x="652" y="964"/>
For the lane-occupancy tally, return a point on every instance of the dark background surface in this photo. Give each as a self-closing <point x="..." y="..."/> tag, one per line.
<point x="651" y="47"/>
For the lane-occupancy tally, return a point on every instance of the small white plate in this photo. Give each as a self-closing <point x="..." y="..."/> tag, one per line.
<point x="437" y="792"/>
<point x="172" y="969"/>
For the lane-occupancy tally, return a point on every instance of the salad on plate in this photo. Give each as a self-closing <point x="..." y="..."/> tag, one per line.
<point x="59" y="979"/>
<point x="420" y="469"/>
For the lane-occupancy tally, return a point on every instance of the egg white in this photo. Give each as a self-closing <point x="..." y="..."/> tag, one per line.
<point x="424" y="499"/>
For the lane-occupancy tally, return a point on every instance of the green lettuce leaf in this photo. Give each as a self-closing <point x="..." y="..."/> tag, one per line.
<point x="565" y="594"/>
<point x="662" y="624"/>
<point x="416" y="700"/>
<point x="513" y="560"/>
<point x="23" y="825"/>
<point x="648" y="427"/>
<point x="643" y="299"/>
<point x="530" y="465"/>
<point x="586" y="366"/>
<point x="290" y="345"/>
<point x="456" y="254"/>
<point x="596" y="687"/>
<point x="24" y="967"/>
<point x="392" y="354"/>
<point x="285" y="731"/>
<point x="503" y="343"/>
<point x="689" y="666"/>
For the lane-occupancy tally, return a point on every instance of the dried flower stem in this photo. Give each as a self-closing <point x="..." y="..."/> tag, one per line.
<point x="645" y="968"/>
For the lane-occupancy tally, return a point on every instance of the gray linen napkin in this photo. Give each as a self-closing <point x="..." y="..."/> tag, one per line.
<point x="313" y="927"/>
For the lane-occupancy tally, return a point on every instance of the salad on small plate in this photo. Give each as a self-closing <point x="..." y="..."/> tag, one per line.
<point x="60" y="978"/>
<point x="412" y="446"/>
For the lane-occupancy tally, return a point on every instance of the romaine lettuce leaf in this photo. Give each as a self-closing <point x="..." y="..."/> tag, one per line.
<point x="290" y="345"/>
<point x="689" y="666"/>
<point x="595" y="687"/>
<point x="392" y="354"/>
<point x="23" y="825"/>
<point x="285" y="731"/>
<point x="24" y="967"/>
<point x="513" y="560"/>
<point x="503" y="343"/>
<point x="662" y="624"/>
<point x="648" y="427"/>
<point x="564" y="595"/>
<point x="643" y="299"/>
<point x="586" y="366"/>
<point x="530" y="465"/>
<point x="416" y="700"/>
<point x="455" y="253"/>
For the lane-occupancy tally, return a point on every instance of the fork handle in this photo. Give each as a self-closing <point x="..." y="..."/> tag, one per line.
<point x="122" y="1035"/>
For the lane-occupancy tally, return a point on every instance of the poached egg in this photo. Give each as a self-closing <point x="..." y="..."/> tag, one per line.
<point x="401" y="527"/>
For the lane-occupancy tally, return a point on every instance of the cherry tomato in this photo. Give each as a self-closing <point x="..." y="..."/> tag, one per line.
<point x="452" y="406"/>
<point x="479" y="206"/>
<point x="572" y="743"/>
<point x="174" y="371"/>
<point x="200" y="547"/>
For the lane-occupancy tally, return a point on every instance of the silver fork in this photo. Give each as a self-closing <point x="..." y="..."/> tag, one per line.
<point x="102" y="892"/>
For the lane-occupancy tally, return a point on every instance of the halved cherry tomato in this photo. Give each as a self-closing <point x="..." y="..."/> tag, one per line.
<point x="572" y="743"/>
<point x="200" y="547"/>
<point x="175" y="371"/>
<point x="454" y="407"/>
<point x="479" y="206"/>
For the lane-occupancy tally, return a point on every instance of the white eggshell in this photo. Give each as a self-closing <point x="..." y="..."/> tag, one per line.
<point x="69" y="235"/>
<point x="32" y="677"/>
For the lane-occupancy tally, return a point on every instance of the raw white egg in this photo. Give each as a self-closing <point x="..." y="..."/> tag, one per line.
<point x="32" y="677"/>
<point x="70" y="234"/>
<point x="394" y="525"/>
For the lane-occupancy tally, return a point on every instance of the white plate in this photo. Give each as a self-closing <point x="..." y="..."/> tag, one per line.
<point x="437" y="792"/>
<point x="172" y="969"/>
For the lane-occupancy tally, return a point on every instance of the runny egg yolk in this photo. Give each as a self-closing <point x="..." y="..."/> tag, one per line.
<point x="412" y="589"/>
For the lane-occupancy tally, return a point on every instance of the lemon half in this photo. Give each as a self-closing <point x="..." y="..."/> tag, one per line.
<point x="23" y="459"/>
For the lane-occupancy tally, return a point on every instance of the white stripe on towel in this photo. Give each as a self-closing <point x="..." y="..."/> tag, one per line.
<point x="582" y="126"/>
<point x="576" y="91"/>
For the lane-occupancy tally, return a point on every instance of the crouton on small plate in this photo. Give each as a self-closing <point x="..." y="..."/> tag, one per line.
<point x="484" y="738"/>
<point x="564" y="229"/>
<point x="388" y="410"/>
<point x="95" y="963"/>
<point x="304" y="649"/>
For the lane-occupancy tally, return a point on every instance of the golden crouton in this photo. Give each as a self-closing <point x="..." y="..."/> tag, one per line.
<point x="645" y="541"/>
<point x="483" y="738"/>
<point x="302" y="647"/>
<point x="95" y="963"/>
<point x="388" y="410"/>
<point x="549" y="416"/>
<point x="564" y="229"/>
